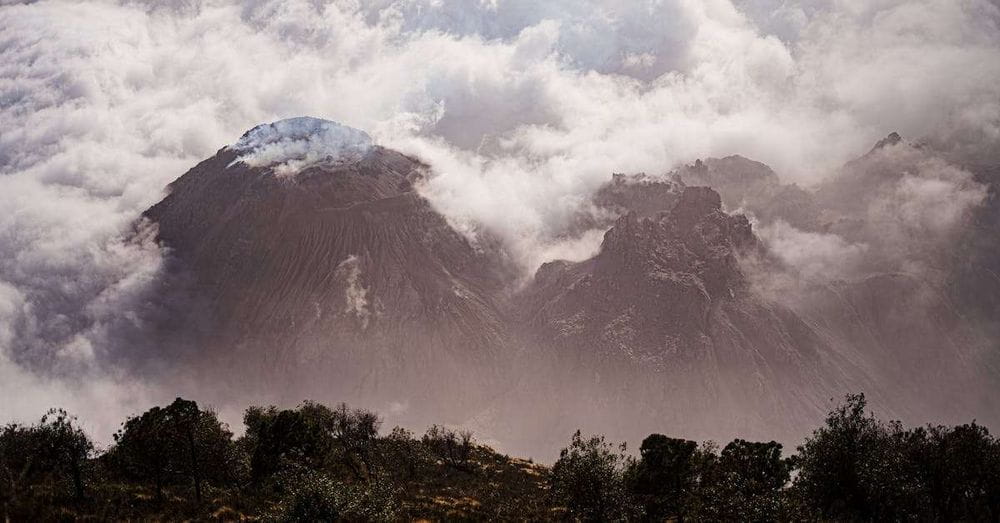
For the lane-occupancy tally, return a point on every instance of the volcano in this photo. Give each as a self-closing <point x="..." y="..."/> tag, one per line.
<point x="338" y="280"/>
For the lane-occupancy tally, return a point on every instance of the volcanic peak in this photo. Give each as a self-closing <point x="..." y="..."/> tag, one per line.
<point x="296" y="143"/>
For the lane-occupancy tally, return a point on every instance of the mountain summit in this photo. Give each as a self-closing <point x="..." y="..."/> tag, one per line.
<point x="296" y="143"/>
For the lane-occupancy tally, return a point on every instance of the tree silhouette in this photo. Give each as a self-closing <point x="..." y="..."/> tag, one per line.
<point x="452" y="447"/>
<point x="179" y="442"/>
<point x="845" y="466"/>
<point x="958" y="470"/>
<point x="589" y="480"/>
<point x="43" y="453"/>
<point x="745" y="483"/>
<point x="666" y="477"/>
<point x="312" y="435"/>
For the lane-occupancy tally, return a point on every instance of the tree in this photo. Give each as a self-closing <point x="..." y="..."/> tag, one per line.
<point x="667" y="475"/>
<point x="589" y="480"/>
<point x="66" y="444"/>
<point x="454" y="448"/>
<point x="311" y="435"/>
<point x="179" y="442"/>
<point x="845" y="466"/>
<point x="402" y="452"/>
<point x="275" y="436"/>
<point x="958" y="469"/>
<point x="356" y="431"/>
<point x="44" y="453"/>
<point x="745" y="483"/>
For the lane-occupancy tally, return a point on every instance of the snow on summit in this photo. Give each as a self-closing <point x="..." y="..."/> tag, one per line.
<point x="295" y="143"/>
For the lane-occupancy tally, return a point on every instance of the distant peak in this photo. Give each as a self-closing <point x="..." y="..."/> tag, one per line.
<point x="892" y="139"/>
<point x="696" y="202"/>
<point x="295" y="143"/>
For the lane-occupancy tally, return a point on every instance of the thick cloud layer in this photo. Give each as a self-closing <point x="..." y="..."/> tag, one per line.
<point x="521" y="108"/>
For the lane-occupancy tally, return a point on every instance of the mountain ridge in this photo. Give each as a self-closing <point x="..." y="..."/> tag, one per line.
<point x="332" y="277"/>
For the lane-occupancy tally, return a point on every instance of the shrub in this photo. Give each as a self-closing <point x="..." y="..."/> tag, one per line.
<point x="314" y="496"/>
<point x="453" y="448"/>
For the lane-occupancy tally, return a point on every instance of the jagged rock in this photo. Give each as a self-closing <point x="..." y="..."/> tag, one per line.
<point x="754" y="188"/>
<point x="890" y="140"/>
<point x="640" y="194"/>
<point x="665" y="315"/>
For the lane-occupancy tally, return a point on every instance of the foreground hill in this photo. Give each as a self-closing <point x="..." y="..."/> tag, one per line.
<point x="314" y="463"/>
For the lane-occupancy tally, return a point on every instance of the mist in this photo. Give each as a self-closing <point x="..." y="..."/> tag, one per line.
<point x="521" y="110"/>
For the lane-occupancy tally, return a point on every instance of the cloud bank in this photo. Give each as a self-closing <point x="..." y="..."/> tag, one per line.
<point x="521" y="108"/>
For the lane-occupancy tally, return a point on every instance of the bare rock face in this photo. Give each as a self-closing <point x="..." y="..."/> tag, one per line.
<point x="335" y="279"/>
<point x="753" y="187"/>
<point x="663" y="325"/>
<point x="651" y="289"/>
<point x="640" y="194"/>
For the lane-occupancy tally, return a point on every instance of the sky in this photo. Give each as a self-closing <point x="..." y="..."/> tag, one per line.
<point x="521" y="109"/>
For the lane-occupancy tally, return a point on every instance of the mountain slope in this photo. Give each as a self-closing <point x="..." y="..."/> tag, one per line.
<point x="338" y="279"/>
<point x="663" y="327"/>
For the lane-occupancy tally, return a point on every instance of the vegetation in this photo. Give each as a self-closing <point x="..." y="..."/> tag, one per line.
<point x="315" y="463"/>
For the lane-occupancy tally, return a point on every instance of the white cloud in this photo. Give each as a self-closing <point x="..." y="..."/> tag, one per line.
<point x="521" y="108"/>
<point x="355" y="293"/>
<point x="814" y="256"/>
<point x="292" y="144"/>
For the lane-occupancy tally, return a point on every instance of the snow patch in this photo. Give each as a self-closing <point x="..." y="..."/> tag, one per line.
<point x="296" y="143"/>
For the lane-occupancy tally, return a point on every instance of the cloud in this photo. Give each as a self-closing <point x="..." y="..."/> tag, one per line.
<point x="292" y="144"/>
<point x="521" y="108"/>
<point x="927" y="201"/>
<point x="898" y="208"/>
<point x="814" y="256"/>
<point x="355" y="293"/>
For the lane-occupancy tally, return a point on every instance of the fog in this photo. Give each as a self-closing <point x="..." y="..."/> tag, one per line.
<point x="521" y="109"/>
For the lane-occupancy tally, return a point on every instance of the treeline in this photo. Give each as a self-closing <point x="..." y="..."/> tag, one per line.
<point x="853" y="468"/>
<point x="316" y="463"/>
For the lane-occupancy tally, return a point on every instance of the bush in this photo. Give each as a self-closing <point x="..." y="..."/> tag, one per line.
<point x="453" y="448"/>
<point x="313" y="496"/>
<point x="402" y="453"/>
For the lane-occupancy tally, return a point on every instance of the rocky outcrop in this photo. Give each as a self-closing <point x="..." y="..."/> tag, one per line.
<point x="754" y="188"/>
<point x="663" y="325"/>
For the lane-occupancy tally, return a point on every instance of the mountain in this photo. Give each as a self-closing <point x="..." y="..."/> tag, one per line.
<point x="303" y="262"/>
<point x="332" y="278"/>
<point x="663" y="328"/>
<point x="917" y="307"/>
